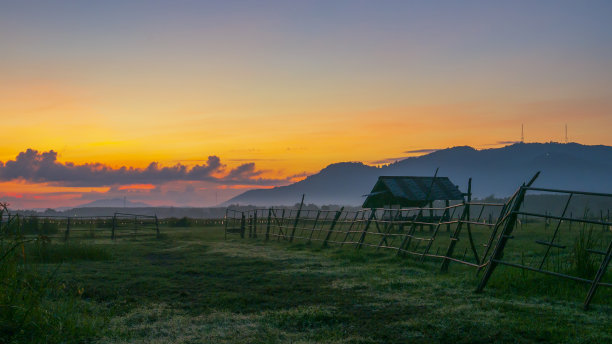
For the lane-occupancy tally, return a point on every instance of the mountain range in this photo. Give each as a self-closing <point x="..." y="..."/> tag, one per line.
<point x="496" y="171"/>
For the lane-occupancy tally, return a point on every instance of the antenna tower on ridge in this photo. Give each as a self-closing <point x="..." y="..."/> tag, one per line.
<point x="522" y="134"/>
<point x="566" y="133"/>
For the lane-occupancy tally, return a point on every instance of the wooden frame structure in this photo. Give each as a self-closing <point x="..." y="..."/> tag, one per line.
<point x="474" y="241"/>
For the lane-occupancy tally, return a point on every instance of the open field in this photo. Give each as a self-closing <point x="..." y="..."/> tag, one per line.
<point x="193" y="286"/>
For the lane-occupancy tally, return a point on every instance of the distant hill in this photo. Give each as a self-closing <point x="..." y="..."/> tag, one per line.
<point x="113" y="203"/>
<point x="497" y="171"/>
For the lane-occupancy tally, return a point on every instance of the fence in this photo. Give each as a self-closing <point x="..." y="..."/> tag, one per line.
<point x="67" y="227"/>
<point x="554" y="243"/>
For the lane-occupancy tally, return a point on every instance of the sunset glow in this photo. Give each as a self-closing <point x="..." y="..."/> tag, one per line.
<point x="276" y="95"/>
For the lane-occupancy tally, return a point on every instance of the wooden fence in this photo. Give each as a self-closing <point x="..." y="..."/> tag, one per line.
<point x="546" y="243"/>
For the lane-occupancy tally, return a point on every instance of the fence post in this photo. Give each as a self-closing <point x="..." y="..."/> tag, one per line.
<point x="242" y="224"/>
<point x="281" y="224"/>
<point x="314" y="226"/>
<point x="408" y="236"/>
<point x="268" y="224"/>
<point x="157" y="226"/>
<point x="225" y="220"/>
<point x="67" y="233"/>
<point x="348" y="231"/>
<point x="114" y="225"/>
<point x="600" y="272"/>
<point x="454" y="239"/>
<point x="250" y="225"/>
<point x="331" y="227"/>
<point x="297" y="218"/>
<point x="365" y="229"/>
<point x="255" y="224"/>
<point x="505" y="234"/>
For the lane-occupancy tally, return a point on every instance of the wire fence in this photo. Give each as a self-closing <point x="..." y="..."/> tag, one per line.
<point x="510" y="234"/>
<point x="74" y="227"/>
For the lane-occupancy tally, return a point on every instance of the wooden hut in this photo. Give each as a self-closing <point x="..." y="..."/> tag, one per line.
<point x="409" y="191"/>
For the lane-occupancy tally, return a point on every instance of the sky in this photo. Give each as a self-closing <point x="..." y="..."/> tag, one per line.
<point x="189" y="103"/>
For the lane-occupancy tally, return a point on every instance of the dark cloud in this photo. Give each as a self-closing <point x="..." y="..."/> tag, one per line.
<point x="34" y="166"/>
<point x="388" y="160"/>
<point x="244" y="171"/>
<point x="501" y="143"/>
<point x="425" y="150"/>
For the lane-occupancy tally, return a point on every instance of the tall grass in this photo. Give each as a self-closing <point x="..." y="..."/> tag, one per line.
<point x="583" y="263"/>
<point x="34" y="306"/>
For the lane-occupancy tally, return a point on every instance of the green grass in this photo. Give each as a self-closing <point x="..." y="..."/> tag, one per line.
<point x="36" y="307"/>
<point x="191" y="286"/>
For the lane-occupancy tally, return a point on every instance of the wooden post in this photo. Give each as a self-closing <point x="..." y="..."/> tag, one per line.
<point x="281" y="224"/>
<point x="431" y="215"/>
<point x="554" y="236"/>
<point x="365" y="229"/>
<point x="331" y="227"/>
<point x="67" y="233"/>
<point x="255" y="224"/>
<point x="242" y="224"/>
<point x="598" y="276"/>
<point x="469" y="228"/>
<point x="408" y="236"/>
<point x="447" y="204"/>
<point x="505" y="234"/>
<point x="114" y="225"/>
<point x="348" y="232"/>
<point x="250" y="225"/>
<point x="225" y="220"/>
<point x="268" y="224"/>
<point x="315" y="225"/>
<point x="453" y="242"/>
<point x="156" y="226"/>
<point x="297" y="218"/>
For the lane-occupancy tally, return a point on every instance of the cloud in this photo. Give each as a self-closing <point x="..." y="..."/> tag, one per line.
<point x="392" y="160"/>
<point x="500" y="143"/>
<point x="387" y="160"/>
<point x="425" y="150"/>
<point x="43" y="167"/>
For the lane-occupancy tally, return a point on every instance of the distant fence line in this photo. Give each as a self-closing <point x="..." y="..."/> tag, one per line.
<point x="456" y="233"/>
<point x="119" y="224"/>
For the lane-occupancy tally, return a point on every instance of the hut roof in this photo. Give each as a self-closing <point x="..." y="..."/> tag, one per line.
<point x="409" y="191"/>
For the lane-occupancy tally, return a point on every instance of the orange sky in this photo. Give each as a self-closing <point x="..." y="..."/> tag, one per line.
<point x="289" y="88"/>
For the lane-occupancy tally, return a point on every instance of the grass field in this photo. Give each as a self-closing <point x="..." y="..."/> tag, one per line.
<point x="192" y="286"/>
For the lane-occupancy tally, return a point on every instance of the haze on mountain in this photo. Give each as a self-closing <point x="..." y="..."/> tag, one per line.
<point x="497" y="171"/>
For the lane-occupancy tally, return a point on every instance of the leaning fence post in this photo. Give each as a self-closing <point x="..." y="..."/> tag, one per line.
<point x="331" y="227"/>
<point x="297" y="218"/>
<point x="505" y="234"/>
<point x="365" y="229"/>
<point x="314" y="226"/>
<point x="454" y="239"/>
<point x="600" y="272"/>
<point x="67" y="233"/>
